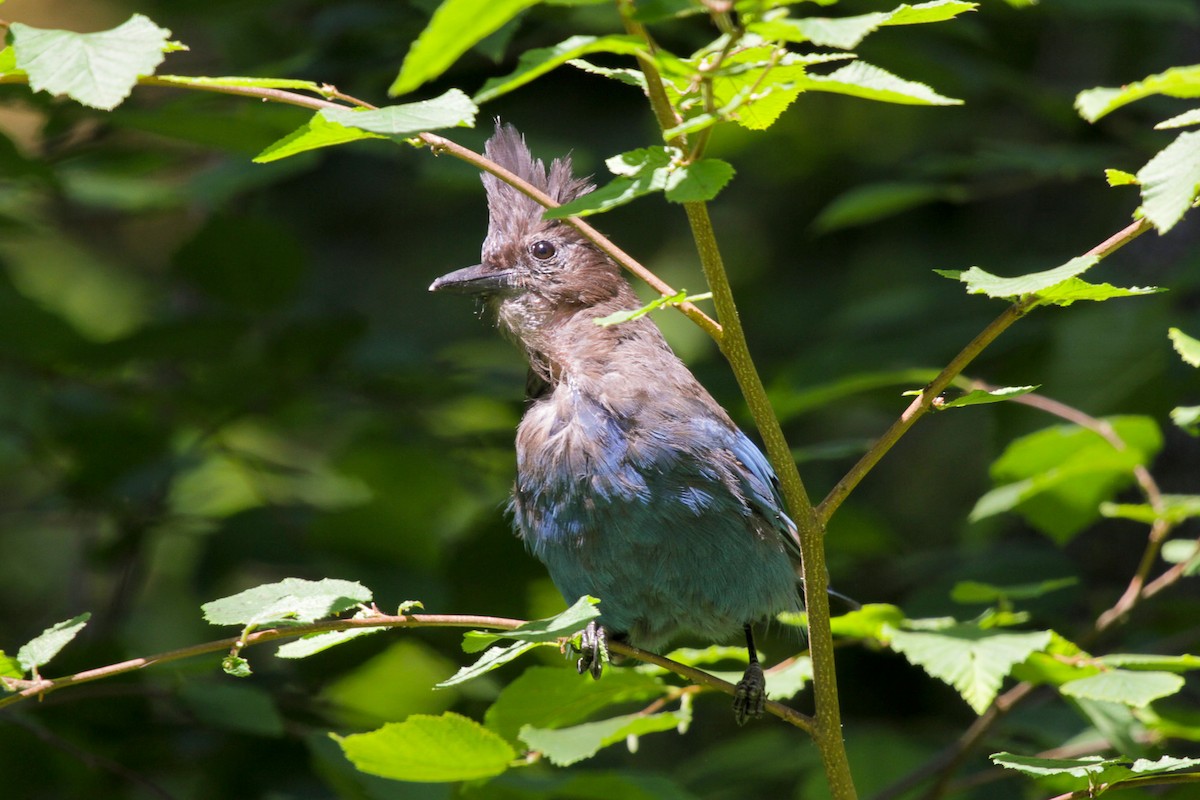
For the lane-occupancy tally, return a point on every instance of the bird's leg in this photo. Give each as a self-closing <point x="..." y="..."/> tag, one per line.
<point x="593" y="649"/>
<point x="750" y="699"/>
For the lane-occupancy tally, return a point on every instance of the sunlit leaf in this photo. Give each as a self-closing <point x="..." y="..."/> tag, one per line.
<point x="1183" y="551"/>
<point x="535" y="63"/>
<point x="550" y="629"/>
<point x="425" y="748"/>
<point x="977" y="397"/>
<point x="1170" y="181"/>
<point x="869" y="82"/>
<point x="49" y="642"/>
<point x="317" y="132"/>
<point x="1183" y="120"/>
<point x="1173" y="508"/>
<point x="1187" y="347"/>
<point x="1116" y="177"/>
<point x="95" y="69"/>
<point x="456" y="27"/>
<point x="289" y="600"/>
<point x="1127" y="687"/>
<point x="453" y="109"/>
<point x="1093" y="104"/>
<point x="566" y="746"/>
<point x="847" y="32"/>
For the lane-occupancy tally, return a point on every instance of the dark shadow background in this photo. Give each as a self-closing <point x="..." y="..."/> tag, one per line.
<point x="215" y="374"/>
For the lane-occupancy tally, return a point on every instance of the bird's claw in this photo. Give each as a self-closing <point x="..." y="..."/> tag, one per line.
<point x="593" y="649"/>
<point x="750" y="697"/>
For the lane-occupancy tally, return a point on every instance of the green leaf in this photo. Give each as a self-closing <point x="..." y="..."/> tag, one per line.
<point x="452" y="109"/>
<point x="1075" y="767"/>
<point x="869" y="82"/>
<point x="246" y="82"/>
<point x="1187" y="418"/>
<point x="566" y="746"/>
<point x="456" y="27"/>
<point x="1116" y="177"/>
<point x="699" y="181"/>
<point x="95" y="69"/>
<point x="972" y="660"/>
<point x="491" y="659"/>
<point x="1149" y="661"/>
<point x="289" y="600"/>
<point x="46" y="645"/>
<point x="659" y="302"/>
<point x="865" y="204"/>
<point x="1126" y="687"/>
<point x="1180" y="121"/>
<point x="868" y="622"/>
<point x="1170" y="181"/>
<point x="9" y="667"/>
<point x="551" y="629"/>
<point x="1093" y="104"/>
<point x="429" y="749"/>
<point x="976" y="592"/>
<point x="1187" y="347"/>
<point x="555" y="697"/>
<point x="632" y="77"/>
<point x="535" y="63"/>
<point x="236" y="666"/>
<point x="1073" y="289"/>
<point x="8" y="62"/>
<point x="977" y="397"/>
<point x="318" y="642"/>
<point x="1183" y="551"/>
<point x="786" y="683"/>
<point x="846" y="32"/>
<point x="1174" y="508"/>
<point x="1062" y="661"/>
<point x="979" y="281"/>
<point x="317" y="132"/>
<point x="1057" y="477"/>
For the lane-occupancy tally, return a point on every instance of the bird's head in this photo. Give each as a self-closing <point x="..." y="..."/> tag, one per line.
<point x="534" y="272"/>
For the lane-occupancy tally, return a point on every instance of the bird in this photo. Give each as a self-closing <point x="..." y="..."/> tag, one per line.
<point x="633" y="485"/>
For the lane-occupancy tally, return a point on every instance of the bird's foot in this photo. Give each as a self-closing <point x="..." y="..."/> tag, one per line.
<point x="750" y="698"/>
<point x="593" y="649"/>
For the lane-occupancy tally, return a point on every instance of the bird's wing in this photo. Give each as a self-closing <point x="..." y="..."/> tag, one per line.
<point x="761" y="489"/>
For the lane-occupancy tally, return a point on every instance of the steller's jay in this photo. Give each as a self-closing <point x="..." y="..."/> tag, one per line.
<point x="632" y="484"/>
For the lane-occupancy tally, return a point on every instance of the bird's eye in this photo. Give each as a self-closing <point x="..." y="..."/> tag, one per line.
<point x="542" y="250"/>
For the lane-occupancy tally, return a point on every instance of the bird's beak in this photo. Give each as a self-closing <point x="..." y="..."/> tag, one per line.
<point x="479" y="279"/>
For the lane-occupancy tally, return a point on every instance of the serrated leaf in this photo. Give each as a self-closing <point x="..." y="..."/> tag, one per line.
<point x="1126" y="687"/>
<point x="681" y="296"/>
<point x="1187" y="418"/>
<point x="1075" y="767"/>
<point x="631" y="77"/>
<point x="1093" y="104"/>
<point x="1183" y="551"/>
<point x="317" y="132"/>
<point x="49" y="642"/>
<point x="846" y="32"/>
<point x="452" y="109"/>
<point x="456" y="27"/>
<point x="236" y="666"/>
<point x="429" y="749"/>
<point x="289" y="600"/>
<point x="555" y="697"/>
<point x="8" y="62"/>
<point x="980" y="281"/>
<point x="977" y="592"/>
<point x="551" y="629"/>
<point x="1187" y="347"/>
<point x="786" y="683"/>
<point x="95" y="69"/>
<point x="869" y="82"/>
<point x="699" y="181"/>
<point x="315" y="643"/>
<point x="1116" y="177"/>
<point x="1073" y="289"/>
<point x="1170" y="181"/>
<point x="1180" y="120"/>
<point x="535" y="63"/>
<point x="491" y="659"/>
<point x="1173" y="508"/>
<point x="566" y="746"/>
<point x="972" y="660"/>
<point x="977" y="397"/>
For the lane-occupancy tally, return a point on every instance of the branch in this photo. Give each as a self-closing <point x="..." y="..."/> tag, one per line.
<point x="40" y="687"/>
<point x="924" y="400"/>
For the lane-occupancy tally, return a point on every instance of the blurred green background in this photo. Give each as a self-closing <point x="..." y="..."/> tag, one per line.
<point x="215" y="374"/>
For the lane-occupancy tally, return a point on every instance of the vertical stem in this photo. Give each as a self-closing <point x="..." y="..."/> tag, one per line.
<point x="827" y="730"/>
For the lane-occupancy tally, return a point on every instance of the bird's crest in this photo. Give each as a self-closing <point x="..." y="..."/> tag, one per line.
<point x="510" y="213"/>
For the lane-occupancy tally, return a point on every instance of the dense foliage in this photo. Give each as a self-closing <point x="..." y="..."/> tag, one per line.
<point x="228" y="399"/>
